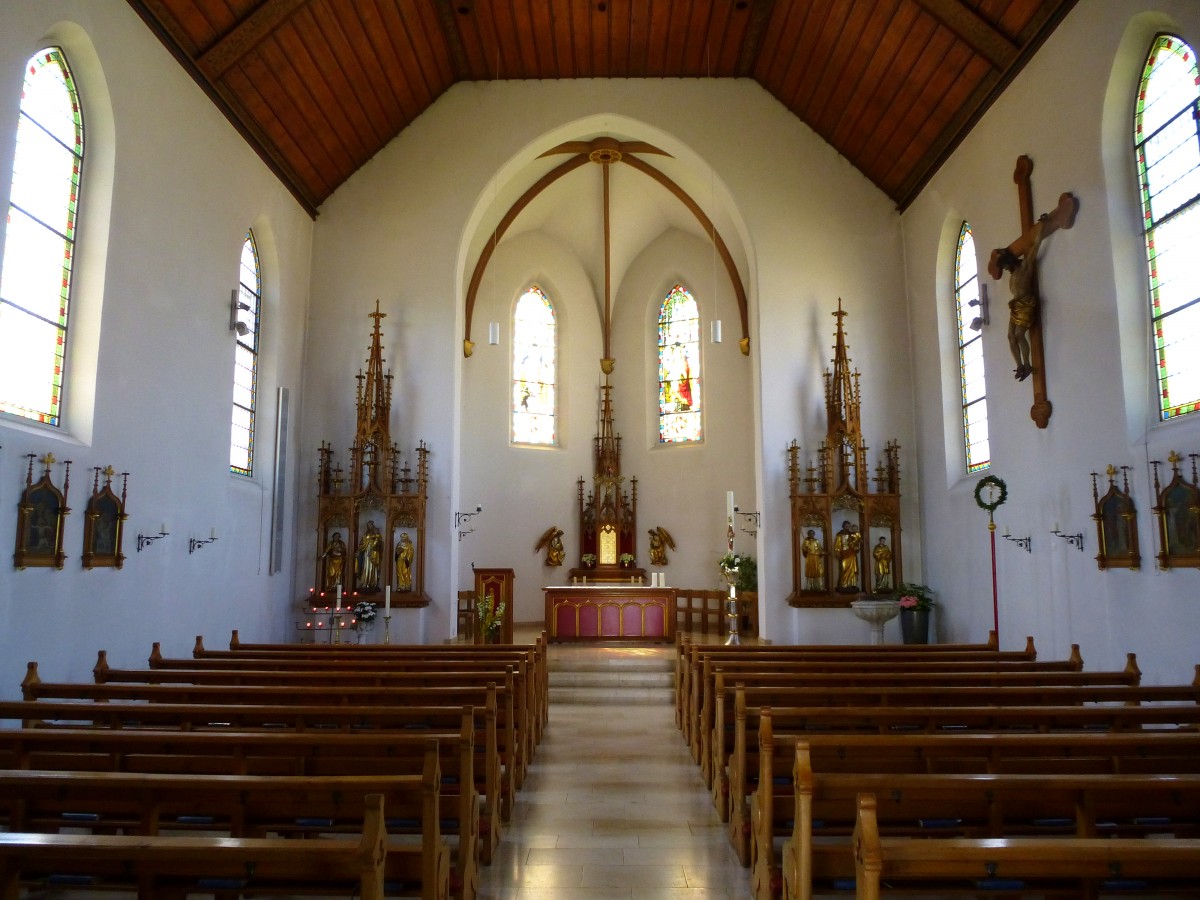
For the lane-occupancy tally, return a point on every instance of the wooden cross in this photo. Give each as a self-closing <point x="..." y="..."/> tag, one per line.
<point x="1024" y="249"/>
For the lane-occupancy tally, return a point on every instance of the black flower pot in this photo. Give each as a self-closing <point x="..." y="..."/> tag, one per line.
<point x="914" y="626"/>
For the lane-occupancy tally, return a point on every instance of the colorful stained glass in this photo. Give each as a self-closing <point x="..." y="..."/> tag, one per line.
<point x="245" y="360"/>
<point x="970" y="354"/>
<point x="679" y="418"/>
<point x="1167" y="132"/>
<point x="534" y="370"/>
<point x="39" y="246"/>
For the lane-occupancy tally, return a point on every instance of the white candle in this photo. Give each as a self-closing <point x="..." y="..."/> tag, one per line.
<point x="339" y="595"/>
<point x="163" y="529"/>
<point x="729" y="505"/>
<point x="213" y="535"/>
<point x="387" y="600"/>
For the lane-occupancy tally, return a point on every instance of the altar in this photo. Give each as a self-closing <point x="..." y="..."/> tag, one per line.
<point x="610" y="612"/>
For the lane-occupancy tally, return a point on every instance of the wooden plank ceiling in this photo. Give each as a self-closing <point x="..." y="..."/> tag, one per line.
<point x="319" y="86"/>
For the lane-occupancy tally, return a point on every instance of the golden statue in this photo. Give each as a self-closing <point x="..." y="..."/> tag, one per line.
<point x="660" y="539"/>
<point x="845" y="548"/>
<point x="814" y="562"/>
<point x="366" y="573"/>
<point x="552" y="541"/>
<point x="334" y="556"/>
<point x="404" y="560"/>
<point x="883" y="565"/>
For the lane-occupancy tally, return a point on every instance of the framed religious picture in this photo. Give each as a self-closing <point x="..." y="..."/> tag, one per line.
<point x="1178" y="515"/>
<point x="104" y="522"/>
<point x="41" y="515"/>
<point x="1116" y="523"/>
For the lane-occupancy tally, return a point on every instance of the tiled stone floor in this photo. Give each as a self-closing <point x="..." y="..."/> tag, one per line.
<point x="613" y="809"/>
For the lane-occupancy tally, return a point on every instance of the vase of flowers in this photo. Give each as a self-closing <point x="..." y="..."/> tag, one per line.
<point x="490" y="617"/>
<point x="915" y="601"/>
<point x="588" y="560"/>
<point x="364" y="617"/>
<point x="627" y="560"/>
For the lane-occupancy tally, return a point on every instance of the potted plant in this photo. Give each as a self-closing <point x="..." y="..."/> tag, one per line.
<point x="364" y="614"/>
<point x="915" y="601"/>
<point x="627" y="560"/>
<point x="588" y="560"/>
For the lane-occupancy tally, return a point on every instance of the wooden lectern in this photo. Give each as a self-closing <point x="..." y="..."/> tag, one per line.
<point x="499" y="583"/>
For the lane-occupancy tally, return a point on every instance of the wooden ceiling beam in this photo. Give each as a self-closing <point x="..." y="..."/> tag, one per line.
<point x="245" y="36"/>
<point x="760" y="17"/>
<point x="976" y="31"/>
<point x="447" y="15"/>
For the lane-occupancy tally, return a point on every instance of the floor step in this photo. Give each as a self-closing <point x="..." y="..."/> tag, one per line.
<point x="611" y="674"/>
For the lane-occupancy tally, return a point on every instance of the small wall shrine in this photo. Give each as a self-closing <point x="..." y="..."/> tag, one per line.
<point x="608" y="515"/>
<point x="371" y="517"/>
<point x="845" y="522"/>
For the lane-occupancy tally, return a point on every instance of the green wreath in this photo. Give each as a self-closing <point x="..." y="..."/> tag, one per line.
<point x="984" y="483"/>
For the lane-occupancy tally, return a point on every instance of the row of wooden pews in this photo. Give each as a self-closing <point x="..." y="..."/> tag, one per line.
<point x="273" y="743"/>
<point x="829" y="762"/>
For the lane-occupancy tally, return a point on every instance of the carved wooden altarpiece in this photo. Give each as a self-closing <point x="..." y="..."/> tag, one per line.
<point x="608" y="515"/>
<point x="372" y="516"/>
<point x="845" y="535"/>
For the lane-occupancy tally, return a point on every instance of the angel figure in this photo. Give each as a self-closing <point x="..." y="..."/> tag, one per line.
<point x="660" y="540"/>
<point x="552" y="541"/>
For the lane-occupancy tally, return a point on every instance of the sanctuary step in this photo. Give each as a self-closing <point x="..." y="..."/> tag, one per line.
<point x="611" y="674"/>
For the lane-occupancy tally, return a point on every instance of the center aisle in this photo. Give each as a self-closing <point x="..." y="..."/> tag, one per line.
<point x="613" y="808"/>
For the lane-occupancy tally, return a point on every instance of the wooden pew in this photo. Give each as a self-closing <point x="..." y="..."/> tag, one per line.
<point x="774" y="803"/>
<point x="474" y="800"/>
<point x="940" y="864"/>
<point x="690" y="653"/>
<point x="539" y="648"/>
<point x="847" y="671"/>
<point x="429" y="693"/>
<point x="731" y="744"/>
<point x="323" y="719"/>
<point x="734" y="804"/>
<point x="824" y="689"/>
<point x="167" y="867"/>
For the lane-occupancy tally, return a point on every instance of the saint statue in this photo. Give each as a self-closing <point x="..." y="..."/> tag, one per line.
<point x="845" y="548"/>
<point x="366" y="575"/>
<point x="883" y="565"/>
<point x="404" y="562"/>
<point x="334" y="556"/>
<point x="814" y="562"/>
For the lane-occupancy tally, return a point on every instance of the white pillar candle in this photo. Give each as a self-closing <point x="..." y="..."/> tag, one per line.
<point x="339" y="595"/>
<point x="387" y="600"/>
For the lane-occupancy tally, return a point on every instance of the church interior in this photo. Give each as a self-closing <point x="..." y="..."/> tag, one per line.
<point x="447" y="221"/>
<point x="601" y="291"/>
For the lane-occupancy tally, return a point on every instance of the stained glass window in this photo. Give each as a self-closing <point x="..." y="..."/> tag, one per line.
<point x="534" y="369"/>
<point x="35" y="277"/>
<point x="679" y="368"/>
<point x="1167" y="144"/>
<point x="245" y="360"/>
<point x="970" y="353"/>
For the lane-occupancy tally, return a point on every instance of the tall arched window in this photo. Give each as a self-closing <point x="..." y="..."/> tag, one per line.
<point x="1167" y="143"/>
<point x="534" y="369"/>
<point x="679" y="368"/>
<point x="39" y="245"/>
<point x="970" y="353"/>
<point x="245" y="360"/>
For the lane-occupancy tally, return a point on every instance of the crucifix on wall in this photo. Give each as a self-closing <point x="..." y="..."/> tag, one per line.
<point x="1019" y="259"/>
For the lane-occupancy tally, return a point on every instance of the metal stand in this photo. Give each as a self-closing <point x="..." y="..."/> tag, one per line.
<point x="731" y="609"/>
<point x="387" y="624"/>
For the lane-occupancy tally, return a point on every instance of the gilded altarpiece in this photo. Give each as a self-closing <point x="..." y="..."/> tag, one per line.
<point x="371" y="516"/>
<point x="846" y="528"/>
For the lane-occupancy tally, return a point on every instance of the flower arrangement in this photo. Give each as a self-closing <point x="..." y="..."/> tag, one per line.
<point x="747" y="569"/>
<point x="588" y="559"/>
<point x="491" y="615"/>
<point x="627" y="560"/>
<point x="915" y="596"/>
<point x="364" y="614"/>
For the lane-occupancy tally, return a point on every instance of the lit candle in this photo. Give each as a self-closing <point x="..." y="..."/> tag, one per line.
<point x="387" y="600"/>
<point x="339" y="595"/>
